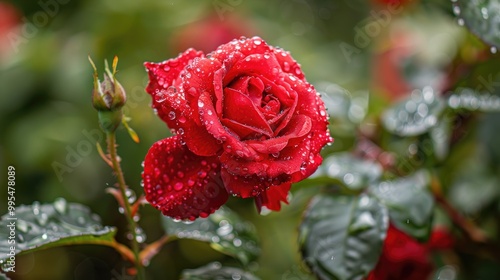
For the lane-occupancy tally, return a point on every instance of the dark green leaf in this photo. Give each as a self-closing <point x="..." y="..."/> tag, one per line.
<point x="215" y="271"/>
<point x="476" y="186"/>
<point x="41" y="226"/>
<point x="416" y="115"/>
<point x="3" y="276"/>
<point x="223" y="230"/>
<point x="471" y="100"/>
<point x="481" y="17"/>
<point x="410" y="203"/>
<point x="341" y="237"/>
<point x="351" y="172"/>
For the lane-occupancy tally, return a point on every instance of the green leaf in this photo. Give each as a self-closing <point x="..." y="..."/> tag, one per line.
<point x="471" y="100"/>
<point x="481" y="17"/>
<point x="41" y="226"/>
<point x="223" y="230"/>
<point x="341" y="237"/>
<point x="349" y="171"/>
<point x="476" y="185"/>
<point x="416" y="115"/>
<point x="215" y="271"/>
<point x="409" y="202"/>
<point x="3" y="276"/>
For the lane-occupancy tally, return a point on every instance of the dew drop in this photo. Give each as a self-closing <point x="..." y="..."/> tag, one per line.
<point x="456" y="10"/>
<point x="461" y="21"/>
<point x="42" y="219"/>
<point x="60" y="205"/>
<point x="493" y="50"/>
<point x="178" y="186"/>
<point x="286" y="66"/>
<point x="171" y="115"/>
<point x="484" y="13"/>
<point x="81" y="220"/>
<point x="22" y="226"/>
<point x="200" y="104"/>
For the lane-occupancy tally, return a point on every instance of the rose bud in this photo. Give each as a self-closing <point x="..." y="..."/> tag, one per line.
<point x="108" y="97"/>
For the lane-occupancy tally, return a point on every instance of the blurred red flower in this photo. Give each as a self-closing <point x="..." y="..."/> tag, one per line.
<point x="405" y="258"/>
<point x="247" y="123"/>
<point x="10" y="19"/>
<point x="210" y="32"/>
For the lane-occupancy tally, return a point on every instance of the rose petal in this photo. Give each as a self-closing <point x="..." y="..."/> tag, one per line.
<point x="288" y="64"/>
<point x="251" y="86"/>
<point x="310" y="104"/>
<point x="244" y="46"/>
<point x="299" y="126"/>
<point x="214" y="126"/>
<point x="243" y="131"/>
<point x="234" y="102"/>
<point x="164" y="75"/>
<point x="181" y="184"/>
<point x="249" y="186"/>
<point x="256" y="64"/>
<point x="272" y="197"/>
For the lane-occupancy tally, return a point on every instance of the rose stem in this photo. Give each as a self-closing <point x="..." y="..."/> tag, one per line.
<point x="111" y="140"/>
<point x="466" y="226"/>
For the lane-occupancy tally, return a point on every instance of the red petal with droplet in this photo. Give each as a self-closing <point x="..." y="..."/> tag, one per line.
<point x="272" y="197"/>
<point x="288" y="64"/>
<point x="234" y="102"/>
<point x="251" y="185"/>
<point x="244" y="46"/>
<point x="163" y="75"/>
<point x="181" y="184"/>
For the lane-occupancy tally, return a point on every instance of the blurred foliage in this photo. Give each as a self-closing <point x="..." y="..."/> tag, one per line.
<point x="363" y="57"/>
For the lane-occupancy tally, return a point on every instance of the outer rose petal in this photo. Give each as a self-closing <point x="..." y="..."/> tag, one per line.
<point x="181" y="184"/>
<point x="288" y="64"/>
<point x="250" y="185"/>
<point x="272" y="197"/>
<point x="163" y="75"/>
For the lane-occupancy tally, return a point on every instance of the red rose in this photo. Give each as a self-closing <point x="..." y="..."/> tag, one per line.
<point x="405" y="258"/>
<point x="246" y="121"/>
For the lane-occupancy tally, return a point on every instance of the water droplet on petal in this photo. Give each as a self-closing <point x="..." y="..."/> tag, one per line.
<point x="171" y="115"/>
<point x="286" y="66"/>
<point x="178" y="186"/>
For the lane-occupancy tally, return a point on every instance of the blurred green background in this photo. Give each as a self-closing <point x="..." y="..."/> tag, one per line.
<point x="48" y="126"/>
